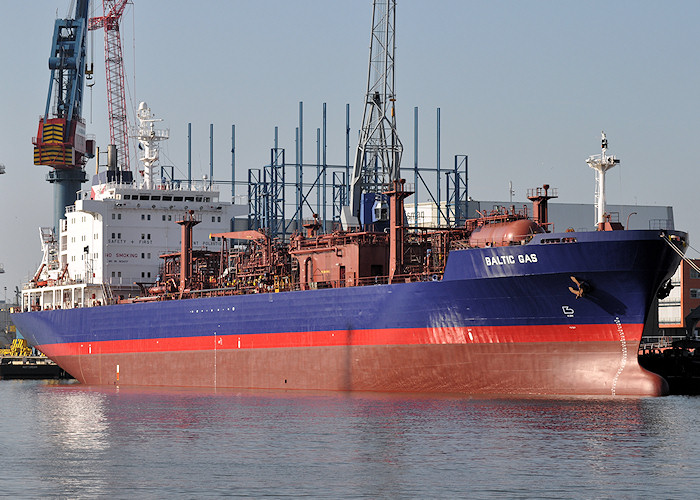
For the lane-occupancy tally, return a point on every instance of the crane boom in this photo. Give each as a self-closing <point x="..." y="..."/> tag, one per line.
<point x="61" y="141"/>
<point x="114" y="67"/>
<point x="59" y="138"/>
<point x="379" y="150"/>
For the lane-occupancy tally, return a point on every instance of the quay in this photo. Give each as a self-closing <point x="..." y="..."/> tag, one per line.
<point x="675" y="359"/>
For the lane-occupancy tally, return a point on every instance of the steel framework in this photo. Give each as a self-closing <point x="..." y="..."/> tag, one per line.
<point x="61" y="141"/>
<point x="457" y="190"/>
<point x="114" y="67"/>
<point x="270" y="188"/>
<point x="379" y="150"/>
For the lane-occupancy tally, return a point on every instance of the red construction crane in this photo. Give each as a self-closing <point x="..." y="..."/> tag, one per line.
<point x="114" y="65"/>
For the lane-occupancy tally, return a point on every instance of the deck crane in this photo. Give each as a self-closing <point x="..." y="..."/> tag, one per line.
<point x="61" y="141"/>
<point x="114" y="67"/>
<point x="379" y="149"/>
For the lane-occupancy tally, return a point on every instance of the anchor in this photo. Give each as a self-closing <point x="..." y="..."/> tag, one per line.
<point x="581" y="289"/>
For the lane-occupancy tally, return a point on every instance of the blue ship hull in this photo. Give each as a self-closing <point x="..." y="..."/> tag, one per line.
<point x="501" y="320"/>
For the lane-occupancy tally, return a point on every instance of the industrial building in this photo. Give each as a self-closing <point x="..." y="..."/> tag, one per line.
<point x="681" y="301"/>
<point x="577" y="216"/>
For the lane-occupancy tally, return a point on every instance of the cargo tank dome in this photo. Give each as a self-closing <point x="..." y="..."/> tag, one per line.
<point x="501" y="234"/>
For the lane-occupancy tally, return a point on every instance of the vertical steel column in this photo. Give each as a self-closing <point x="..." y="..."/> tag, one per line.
<point x="448" y="199"/>
<point x="211" y="155"/>
<point x="254" y="201"/>
<point x="415" y="167"/>
<point x="233" y="163"/>
<point x="457" y="210"/>
<point x="437" y="191"/>
<point x="339" y="194"/>
<point x="318" y="171"/>
<point x="189" y="155"/>
<point x="347" y="148"/>
<point x="266" y="200"/>
<point x="466" y="187"/>
<point x="461" y="201"/>
<point x="301" y="165"/>
<point x="325" y="166"/>
<point x="277" y="184"/>
<point x="297" y="180"/>
<point x="281" y="201"/>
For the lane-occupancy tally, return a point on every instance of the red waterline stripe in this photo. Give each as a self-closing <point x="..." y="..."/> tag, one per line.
<point x="427" y="336"/>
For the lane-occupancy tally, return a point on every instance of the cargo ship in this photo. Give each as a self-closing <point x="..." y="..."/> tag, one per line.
<point x="497" y="304"/>
<point x="500" y="305"/>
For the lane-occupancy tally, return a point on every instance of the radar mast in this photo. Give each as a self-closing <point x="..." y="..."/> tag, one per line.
<point x="601" y="163"/>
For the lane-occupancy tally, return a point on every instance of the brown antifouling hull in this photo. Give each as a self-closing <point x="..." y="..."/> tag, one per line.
<point x="560" y="368"/>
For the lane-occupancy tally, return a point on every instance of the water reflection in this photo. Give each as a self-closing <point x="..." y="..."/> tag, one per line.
<point x="77" y="419"/>
<point x="192" y="443"/>
<point x="75" y="425"/>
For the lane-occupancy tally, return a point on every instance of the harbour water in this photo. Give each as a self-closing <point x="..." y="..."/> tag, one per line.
<point x="73" y="441"/>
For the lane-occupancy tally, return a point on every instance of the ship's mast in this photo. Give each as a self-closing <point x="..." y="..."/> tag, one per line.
<point x="379" y="149"/>
<point x="601" y="163"/>
<point x="149" y="138"/>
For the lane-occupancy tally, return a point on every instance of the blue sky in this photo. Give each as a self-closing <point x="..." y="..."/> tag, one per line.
<point x="524" y="89"/>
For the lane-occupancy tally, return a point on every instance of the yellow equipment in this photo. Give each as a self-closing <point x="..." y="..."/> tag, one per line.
<point x="18" y="348"/>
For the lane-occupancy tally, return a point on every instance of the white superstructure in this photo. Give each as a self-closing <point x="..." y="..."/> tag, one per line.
<point x="112" y="237"/>
<point x="117" y="232"/>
